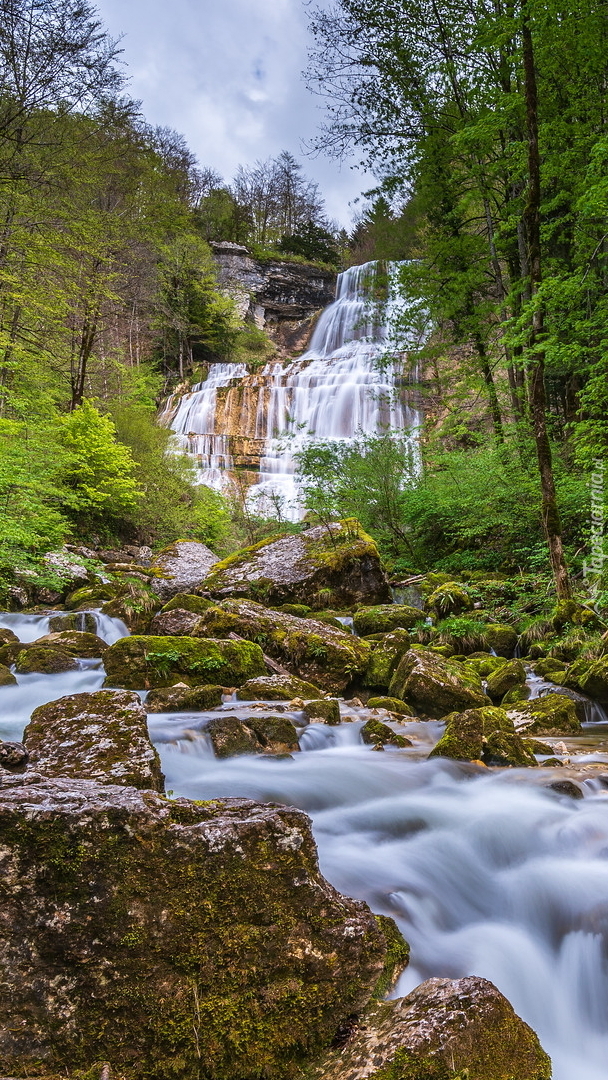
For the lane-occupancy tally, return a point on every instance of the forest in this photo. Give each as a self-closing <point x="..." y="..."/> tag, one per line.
<point x="487" y="134"/>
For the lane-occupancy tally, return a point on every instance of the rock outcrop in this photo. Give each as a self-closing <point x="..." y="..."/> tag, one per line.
<point x="336" y="565"/>
<point x="279" y="296"/>
<point x="101" y="736"/>
<point x="444" y="1029"/>
<point x="553" y="714"/>
<point x="167" y="937"/>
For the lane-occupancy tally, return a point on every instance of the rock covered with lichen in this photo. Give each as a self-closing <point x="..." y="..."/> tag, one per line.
<point x="161" y="935"/>
<point x="100" y="736"/>
<point x="330" y="565"/>
<point x="180" y="568"/>
<point x="444" y="1029"/>
<point x="313" y="651"/>
<point x="488" y="735"/>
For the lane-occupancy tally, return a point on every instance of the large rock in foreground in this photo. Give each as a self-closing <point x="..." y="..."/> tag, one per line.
<point x="552" y="714"/>
<point x="313" y="651"/>
<point x="140" y="663"/>
<point x="163" y="935"/>
<point x="180" y="568"/>
<point x="486" y="735"/>
<point x="444" y="1029"/>
<point x="329" y="566"/>
<point x="101" y="736"/>
<point x="436" y="686"/>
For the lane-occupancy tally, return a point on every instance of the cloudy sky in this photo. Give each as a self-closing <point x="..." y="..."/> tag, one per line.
<point x="227" y="73"/>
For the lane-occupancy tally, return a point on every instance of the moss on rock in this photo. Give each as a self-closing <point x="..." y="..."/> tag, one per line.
<point x="75" y="643"/>
<point x="383" y="618"/>
<point x="375" y="733"/>
<point x="141" y="663"/>
<point x="6" y="676"/>
<point x="310" y="650"/>
<point x="503" y="639"/>
<point x="486" y="735"/>
<point x="212" y="938"/>
<point x="328" y="566"/>
<point x="450" y="598"/>
<point x="505" y="678"/>
<point x="101" y="736"/>
<point x="444" y="1030"/>
<point x="553" y="714"/>
<point x="277" y="688"/>
<point x="384" y="658"/>
<point x="435" y="686"/>
<point x="184" y="699"/>
<point x="325" y="709"/>
<point x="46" y="659"/>
<point x="188" y="602"/>
<point x="391" y="704"/>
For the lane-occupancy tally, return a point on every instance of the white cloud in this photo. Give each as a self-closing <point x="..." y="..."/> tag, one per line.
<point x="228" y="75"/>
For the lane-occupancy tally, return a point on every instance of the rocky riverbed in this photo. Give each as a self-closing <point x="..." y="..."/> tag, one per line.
<point x="171" y="910"/>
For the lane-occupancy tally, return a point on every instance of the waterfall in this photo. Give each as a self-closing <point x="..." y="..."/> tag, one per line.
<point x="346" y="385"/>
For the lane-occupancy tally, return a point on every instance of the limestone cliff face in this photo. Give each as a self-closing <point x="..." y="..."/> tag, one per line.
<point x="281" y="297"/>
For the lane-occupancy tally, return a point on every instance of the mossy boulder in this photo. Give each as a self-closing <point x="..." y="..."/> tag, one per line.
<point x="325" y="709"/>
<point x="187" y="602"/>
<point x="483" y="664"/>
<point x="384" y="658"/>
<point x="276" y="734"/>
<point x="375" y="733"/>
<point x="549" y="667"/>
<point x="73" y="620"/>
<point x="435" y="686"/>
<point x="75" y="643"/>
<point x="101" y="736"/>
<point x="184" y="699"/>
<point x="335" y="565"/>
<point x="385" y="617"/>
<point x="175" y="623"/>
<point x="518" y="693"/>
<point x="7" y="637"/>
<point x="443" y="1030"/>
<point x="6" y="676"/>
<point x="571" y="613"/>
<point x="553" y="714"/>
<point x="503" y="639"/>
<point x="449" y="598"/>
<point x="141" y="663"/>
<point x="92" y="596"/>
<point x="486" y="735"/>
<point x="593" y="680"/>
<point x="176" y="933"/>
<point x="277" y="688"/>
<point x="509" y="675"/>
<point x="180" y="568"/>
<point x="299" y="610"/>
<point x="44" y="659"/>
<point x="391" y="704"/>
<point x="310" y="650"/>
<point x="231" y="737"/>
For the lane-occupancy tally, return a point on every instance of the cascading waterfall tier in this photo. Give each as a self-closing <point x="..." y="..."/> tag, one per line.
<point x="347" y="384"/>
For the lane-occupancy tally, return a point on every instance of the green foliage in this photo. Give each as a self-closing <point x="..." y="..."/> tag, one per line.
<point x="313" y="242"/>
<point x="99" y="471"/>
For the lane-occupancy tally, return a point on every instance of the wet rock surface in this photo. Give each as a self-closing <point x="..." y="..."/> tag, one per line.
<point x="553" y="714"/>
<point x="444" y="1029"/>
<point x="117" y="903"/>
<point x="486" y="735"/>
<point x="184" y="699"/>
<point x="277" y="688"/>
<point x="177" y="623"/>
<point x="336" y="565"/>
<point x="180" y="568"/>
<point x="101" y="736"/>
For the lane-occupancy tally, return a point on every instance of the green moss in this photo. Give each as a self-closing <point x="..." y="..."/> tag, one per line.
<point x="390" y="704"/>
<point x="140" y="663"/>
<point x="383" y="618"/>
<point x="375" y="733"/>
<point x="44" y="658"/>
<point x="384" y="658"/>
<point x="188" y="602"/>
<point x="6" y="676"/>
<point x="326" y="709"/>
<point x="505" y="678"/>
<point x="397" y="956"/>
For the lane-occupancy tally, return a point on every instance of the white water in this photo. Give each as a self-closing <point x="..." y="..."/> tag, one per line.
<point x="342" y="387"/>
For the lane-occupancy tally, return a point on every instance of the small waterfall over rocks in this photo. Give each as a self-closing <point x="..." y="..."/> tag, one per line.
<point x="346" y="385"/>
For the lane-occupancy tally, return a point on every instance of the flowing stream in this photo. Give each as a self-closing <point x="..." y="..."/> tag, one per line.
<point x="487" y="872"/>
<point x="346" y="385"/>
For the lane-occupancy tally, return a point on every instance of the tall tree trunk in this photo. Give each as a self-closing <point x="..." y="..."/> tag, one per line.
<point x="536" y="381"/>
